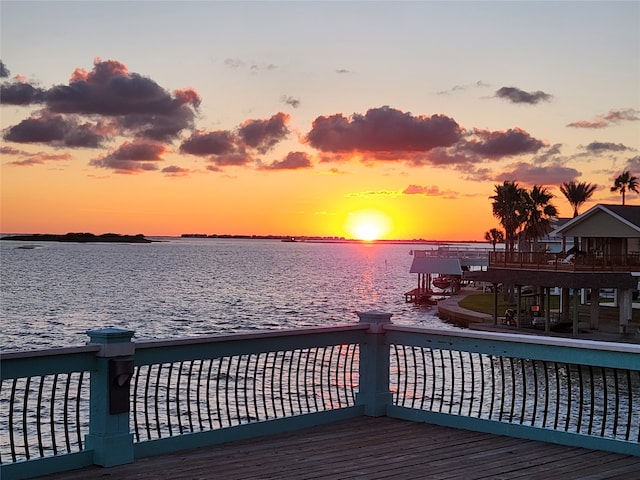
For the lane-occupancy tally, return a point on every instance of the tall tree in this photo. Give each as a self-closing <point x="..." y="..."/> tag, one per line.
<point x="625" y="182"/>
<point x="538" y="211"/>
<point x="508" y="209"/>
<point x="577" y="193"/>
<point x="494" y="236"/>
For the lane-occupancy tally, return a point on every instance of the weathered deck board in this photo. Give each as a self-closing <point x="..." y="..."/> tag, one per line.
<point x="374" y="448"/>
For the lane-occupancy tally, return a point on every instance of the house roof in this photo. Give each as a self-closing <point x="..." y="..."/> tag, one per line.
<point x="628" y="215"/>
<point x="424" y="264"/>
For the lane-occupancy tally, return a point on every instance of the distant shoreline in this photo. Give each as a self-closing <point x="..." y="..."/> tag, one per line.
<point x="316" y="239"/>
<point x="140" y="238"/>
<point x="80" y="238"/>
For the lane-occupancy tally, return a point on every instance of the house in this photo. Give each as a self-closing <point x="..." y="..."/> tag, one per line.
<point x="600" y="250"/>
<point x="606" y="231"/>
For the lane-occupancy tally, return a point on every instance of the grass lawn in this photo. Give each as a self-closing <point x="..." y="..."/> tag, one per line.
<point x="483" y="303"/>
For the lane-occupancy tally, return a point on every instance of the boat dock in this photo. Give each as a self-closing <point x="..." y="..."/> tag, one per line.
<point x="442" y="269"/>
<point x="374" y="448"/>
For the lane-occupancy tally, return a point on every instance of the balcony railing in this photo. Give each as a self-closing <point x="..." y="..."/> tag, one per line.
<point x="115" y="401"/>
<point x="564" y="262"/>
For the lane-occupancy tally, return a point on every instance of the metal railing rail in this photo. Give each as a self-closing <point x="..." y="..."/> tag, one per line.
<point x="566" y="391"/>
<point x="59" y="408"/>
<point x="44" y="404"/>
<point x="193" y="392"/>
<point x="564" y="262"/>
<point x="115" y="400"/>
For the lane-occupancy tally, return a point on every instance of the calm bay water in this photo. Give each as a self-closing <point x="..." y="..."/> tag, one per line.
<point x="53" y="293"/>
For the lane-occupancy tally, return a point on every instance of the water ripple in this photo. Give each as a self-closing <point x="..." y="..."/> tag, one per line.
<point x="52" y="295"/>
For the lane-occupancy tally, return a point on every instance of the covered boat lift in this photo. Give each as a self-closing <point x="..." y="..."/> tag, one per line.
<point x="426" y="266"/>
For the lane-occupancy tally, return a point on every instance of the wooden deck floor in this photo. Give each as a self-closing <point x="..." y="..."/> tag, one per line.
<point x="375" y="448"/>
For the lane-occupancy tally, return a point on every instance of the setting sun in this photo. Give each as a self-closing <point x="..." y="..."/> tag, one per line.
<point x="368" y="224"/>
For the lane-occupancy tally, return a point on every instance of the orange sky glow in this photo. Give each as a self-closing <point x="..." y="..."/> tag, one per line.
<point x="292" y="131"/>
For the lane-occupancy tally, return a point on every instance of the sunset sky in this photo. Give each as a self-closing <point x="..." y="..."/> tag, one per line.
<point x="389" y="119"/>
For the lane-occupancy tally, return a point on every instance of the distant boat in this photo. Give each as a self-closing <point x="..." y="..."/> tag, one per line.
<point x="289" y="239"/>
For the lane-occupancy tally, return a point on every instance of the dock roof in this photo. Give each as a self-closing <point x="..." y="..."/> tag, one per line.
<point x="425" y="264"/>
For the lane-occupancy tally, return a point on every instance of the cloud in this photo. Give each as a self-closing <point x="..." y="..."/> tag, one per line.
<point x="236" y="148"/>
<point x="529" y="174"/>
<point x="342" y="71"/>
<point x="6" y="150"/>
<point x="96" y="107"/>
<point x="4" y="71"/>
<point x="293" y="161"/>
<point x="291" y="101"/>
<point x="429" y="191"/>
<point x="600" y="147"/>
<point x="233" y="63"/>
<point x="263" y="135"/>
<point x="175" y="171"/>
<point x="515" y="95"/>
<point x="200" y="143"/>
<point x="381" y="131"/>
<point x="20" y="93"/>
<point x="498" y="144"/>
<point x="237" y="64"/>
<point x="613" y="117"/>
<point x="633" y="165"/>
<point x="28" y="159"/>
<point x="57" y="131"/>
<point x="137" y="104"/>
<point x="551" y="154"/>
<point x="461" y="88"/>
<point x="387" y="134"/>
<point x="441" y="157"/>
<point x="125" y="104"/>
<point x="132" y="157"/>
<point x="373" y="193"/>
<point x="230" y="160"/>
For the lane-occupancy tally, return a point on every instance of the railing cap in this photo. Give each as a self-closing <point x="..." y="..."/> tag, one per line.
<point x="113" y="341"/>
<point x="374" y="316"/>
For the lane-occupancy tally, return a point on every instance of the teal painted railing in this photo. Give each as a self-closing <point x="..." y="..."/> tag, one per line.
<point x="114" y="400"/>
<point x="564" y="391"/>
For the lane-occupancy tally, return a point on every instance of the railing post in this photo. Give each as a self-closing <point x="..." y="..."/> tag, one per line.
<point x="109" y="436"/>
<point x="374" y="391"/>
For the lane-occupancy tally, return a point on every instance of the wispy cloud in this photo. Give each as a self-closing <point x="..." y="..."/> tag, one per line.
<point x="291" y="101"/>
<point x="251" y="67"/>
<point x="613" y="117"/>
<point x="602" y="147"/>
<point x="429" y="191"/>
<point x="462" y="88"/>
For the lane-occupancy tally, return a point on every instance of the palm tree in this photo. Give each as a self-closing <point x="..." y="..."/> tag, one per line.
<point x="538" y="212"/>
<point x="507" y="208"/>
<point x="577" y="193"/>
<point x="625" y="182"/>
<point x="494" y="236"/>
